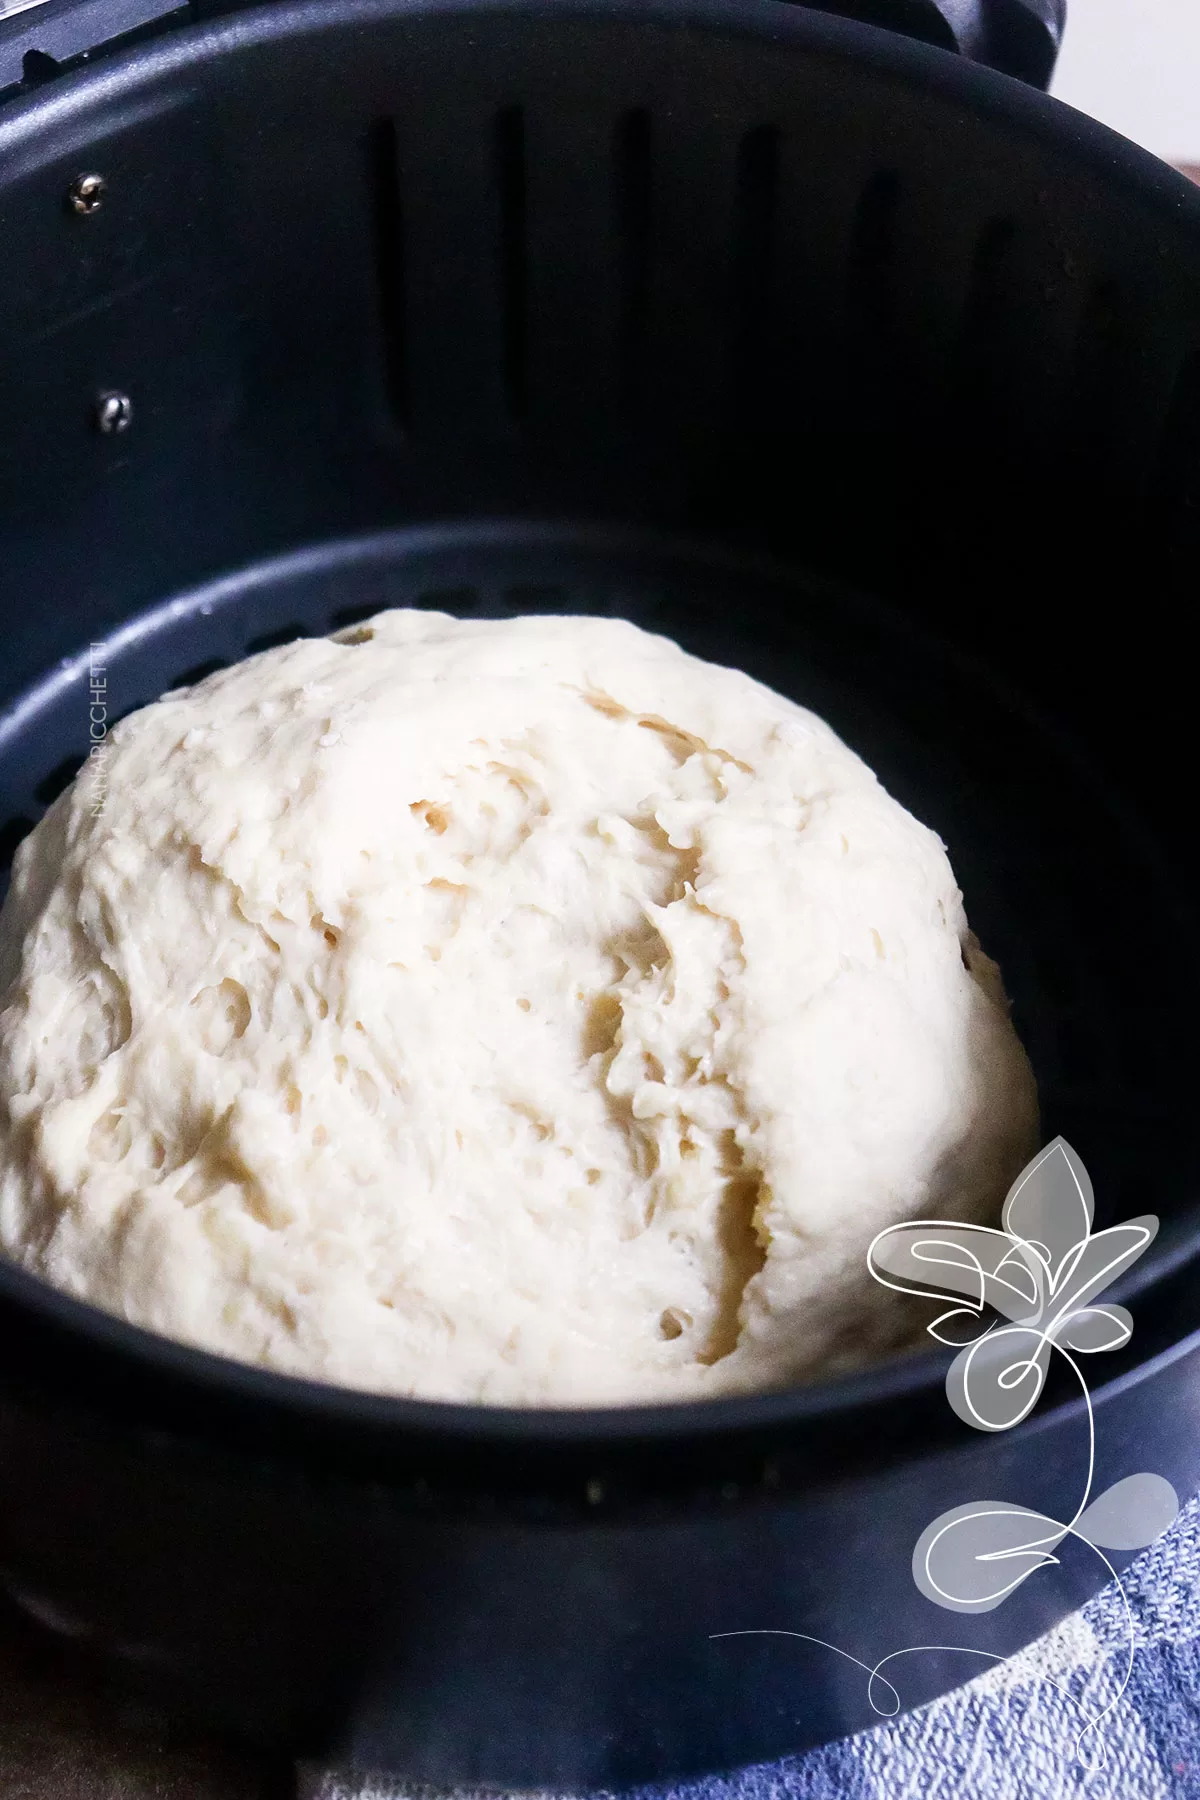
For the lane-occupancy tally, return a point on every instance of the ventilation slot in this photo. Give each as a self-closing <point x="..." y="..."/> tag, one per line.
<point x="37" y="66"/>
<point x="1176" y="488"/>
<point x="1101" y="353"/>
<point x="510" y="181"/>
<point x="871" y="256"/>
<point x="634" y="199"/>
<point x="388" y="226"/>
<point x="1099" y="456"/>
<point x="873" y="362"/>
<point x="986" y="323"/>
<point x="755" y="199"/>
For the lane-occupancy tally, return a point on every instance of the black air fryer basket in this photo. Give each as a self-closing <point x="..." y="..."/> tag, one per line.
<point x="831" y="353"/>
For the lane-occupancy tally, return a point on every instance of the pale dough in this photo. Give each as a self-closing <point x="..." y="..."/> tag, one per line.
<point x="515" y="1011"/>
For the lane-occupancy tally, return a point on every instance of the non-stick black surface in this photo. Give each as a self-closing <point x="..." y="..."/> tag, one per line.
<point x="724" y="315"/>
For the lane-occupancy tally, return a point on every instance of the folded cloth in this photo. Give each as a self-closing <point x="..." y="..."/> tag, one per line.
<point x="1011" y="1733"/>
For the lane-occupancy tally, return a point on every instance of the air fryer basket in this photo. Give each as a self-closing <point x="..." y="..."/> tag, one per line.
<point x="830" y="355"/>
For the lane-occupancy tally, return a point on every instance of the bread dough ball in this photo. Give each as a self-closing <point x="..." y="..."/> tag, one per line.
<point x="515" y="1011"/>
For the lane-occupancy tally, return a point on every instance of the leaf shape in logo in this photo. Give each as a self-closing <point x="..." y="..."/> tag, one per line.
<point x="935" y="1258"/>
<point x="1015" y="1286"/>
<point x="1089" y="1267"/>
<point x="995" y="1382"/>
<point x="1130" y="1514"/>
<point x="1050" y="1204"/>
<point x="972" y="1557"/>
<point x="958" y="1327"/>
<point x="1096" y="1328"/>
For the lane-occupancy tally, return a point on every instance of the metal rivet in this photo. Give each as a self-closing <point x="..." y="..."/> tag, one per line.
<point x="114" y="413"/>
<point x="86" y="194"/>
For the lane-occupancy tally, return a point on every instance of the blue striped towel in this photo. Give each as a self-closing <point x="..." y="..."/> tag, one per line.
<point x="1010" y="1733"/>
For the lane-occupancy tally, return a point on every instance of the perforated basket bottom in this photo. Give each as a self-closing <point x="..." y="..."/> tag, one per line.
<point x="1055" y="882"/>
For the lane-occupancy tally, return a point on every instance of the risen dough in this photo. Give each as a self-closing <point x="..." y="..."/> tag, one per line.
<point x="515" y="1011"/>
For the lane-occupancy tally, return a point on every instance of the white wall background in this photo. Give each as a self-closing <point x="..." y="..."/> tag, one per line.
<point x="1135" y="64"/>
